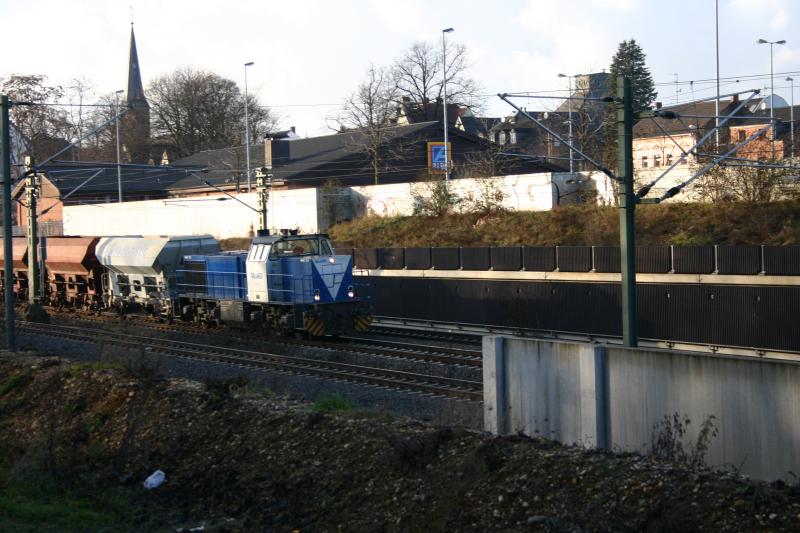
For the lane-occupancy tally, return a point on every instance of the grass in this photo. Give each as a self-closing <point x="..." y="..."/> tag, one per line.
<point x="776" y="223"/>
<point x="331" y="402"/>
<point x="15" y="380"/>
<point x="36" y="504"/>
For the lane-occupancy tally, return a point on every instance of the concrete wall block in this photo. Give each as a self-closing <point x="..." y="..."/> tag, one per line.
<point x="494" y="385"/>
<point x="754" y="404"/>
<point x="614" y="397"/>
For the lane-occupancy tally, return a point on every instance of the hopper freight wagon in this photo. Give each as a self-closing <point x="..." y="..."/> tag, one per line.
<point x="281" y="284"/>
<point x="140" y="272"/>
<point x="19" y="273"/>
<point x="74" y="275"/>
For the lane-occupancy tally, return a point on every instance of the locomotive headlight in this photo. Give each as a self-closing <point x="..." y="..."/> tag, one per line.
<point x="316" y="295"/>
<point x="331" y="260"/>
<point x="350" y="292"/>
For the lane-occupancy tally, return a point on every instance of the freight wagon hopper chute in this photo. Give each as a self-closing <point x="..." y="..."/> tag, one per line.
<point x="142" y="271"/>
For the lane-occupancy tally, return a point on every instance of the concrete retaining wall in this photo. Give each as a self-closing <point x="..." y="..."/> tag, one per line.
<point x="219" y="215"/>
<point x="613" y="397"/>
<point x="309" y="210"/>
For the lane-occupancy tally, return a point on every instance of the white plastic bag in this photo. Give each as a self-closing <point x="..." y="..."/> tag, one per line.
<point x="154" y="480"/>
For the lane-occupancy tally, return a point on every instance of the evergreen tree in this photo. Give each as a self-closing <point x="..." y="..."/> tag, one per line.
<point x="628" y="61"/>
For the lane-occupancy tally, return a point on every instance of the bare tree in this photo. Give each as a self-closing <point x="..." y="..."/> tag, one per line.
<point x="367" y="112"/>
<point x="43" y="126"/>
<point x="198" y="110"/>
<point x="759" y="182"/>
<point x="419" y="74"/>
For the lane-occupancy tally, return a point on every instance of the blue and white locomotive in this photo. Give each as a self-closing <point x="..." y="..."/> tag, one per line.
<point x="283" y="283"/>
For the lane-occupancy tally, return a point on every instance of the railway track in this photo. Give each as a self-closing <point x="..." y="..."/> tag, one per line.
<point x="356" y="344"/>
<point x="379" y="377"/>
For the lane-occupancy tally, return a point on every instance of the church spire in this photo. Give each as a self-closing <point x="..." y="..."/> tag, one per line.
<point x="135" y="95"/>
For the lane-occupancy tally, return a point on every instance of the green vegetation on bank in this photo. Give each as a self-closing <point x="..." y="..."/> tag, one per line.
<point x="776" y="223"/>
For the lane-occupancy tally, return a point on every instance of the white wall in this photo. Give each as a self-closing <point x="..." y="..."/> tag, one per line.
<point x="220" y="215"/>
<point x="224" y="217"/>
<point x="523" y="192"/>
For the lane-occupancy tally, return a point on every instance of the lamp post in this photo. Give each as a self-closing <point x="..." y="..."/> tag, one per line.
<point x="791" y="118"/>
<point x="444" y="102"/>
<point x="772" y="89"/>
<point x="569" y="110"/>
<point x="116" y="120"/>
<point x="247" y="125"/>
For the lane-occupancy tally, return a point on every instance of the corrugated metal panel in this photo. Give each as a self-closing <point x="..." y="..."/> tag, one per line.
<point x="506" y="258"/>
<point x="418" y="258"/>
<point x="391" y="258"/>
<point x="738" y="259"/>
<point x="693" y="259"/>
<point x="782" y="260"/>
<point x="539" y="258"/>
<point x="653" y="259"/>
<point x="574" y="258"/>
<point x="475" y="259"/>
<point x="365" y="258"/>
<point x="606" y="258"/>
<point x="446" y="258"/>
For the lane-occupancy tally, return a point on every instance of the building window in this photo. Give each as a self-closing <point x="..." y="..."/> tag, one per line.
<point x="501" y="137"/>
<point x="644" y="161"/>
<point x="512" y="137"/>
<point x="656" y="160"/>
<point x="742" y="135"/>
<point x="668" y="161"/>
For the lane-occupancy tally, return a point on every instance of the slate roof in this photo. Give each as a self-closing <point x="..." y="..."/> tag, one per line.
<point x="137" y="180"/>
<point x="693" y="116"/>
<point x="312" y="161"/>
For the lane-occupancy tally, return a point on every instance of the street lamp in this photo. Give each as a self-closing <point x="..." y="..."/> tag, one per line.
<point x="569" y="110"/>
<point x="772" y="89"/>
<point x="247" y="125"/>
<point x="791" y="118"/>
<point x="116" y="120"/>
<point x="444" y="113"/>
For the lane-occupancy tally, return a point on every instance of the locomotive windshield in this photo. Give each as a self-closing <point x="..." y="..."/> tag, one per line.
<point x="297" y="247"/>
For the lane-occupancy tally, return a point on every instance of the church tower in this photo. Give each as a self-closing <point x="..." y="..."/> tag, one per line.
<point x="135" y="134"/>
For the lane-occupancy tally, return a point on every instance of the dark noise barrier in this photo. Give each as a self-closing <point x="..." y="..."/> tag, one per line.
<point x="727" y="315"/>
<point x="747" y="315"/>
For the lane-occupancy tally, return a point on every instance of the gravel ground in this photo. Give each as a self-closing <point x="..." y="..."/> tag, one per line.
<point x="240" y="460"/>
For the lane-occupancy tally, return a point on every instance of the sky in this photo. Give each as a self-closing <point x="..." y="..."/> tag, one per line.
<point x="310" y="54"/>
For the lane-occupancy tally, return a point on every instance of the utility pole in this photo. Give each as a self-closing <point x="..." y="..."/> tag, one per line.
<point x="627" y="204"/>
<point x="32" y="191"/>
<point x="716" y="105"/>
<point x="116" y="121"/>
<point x="444" y="102"/>
<point x="11" y="342"/>
<point x="263" y="181"/>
